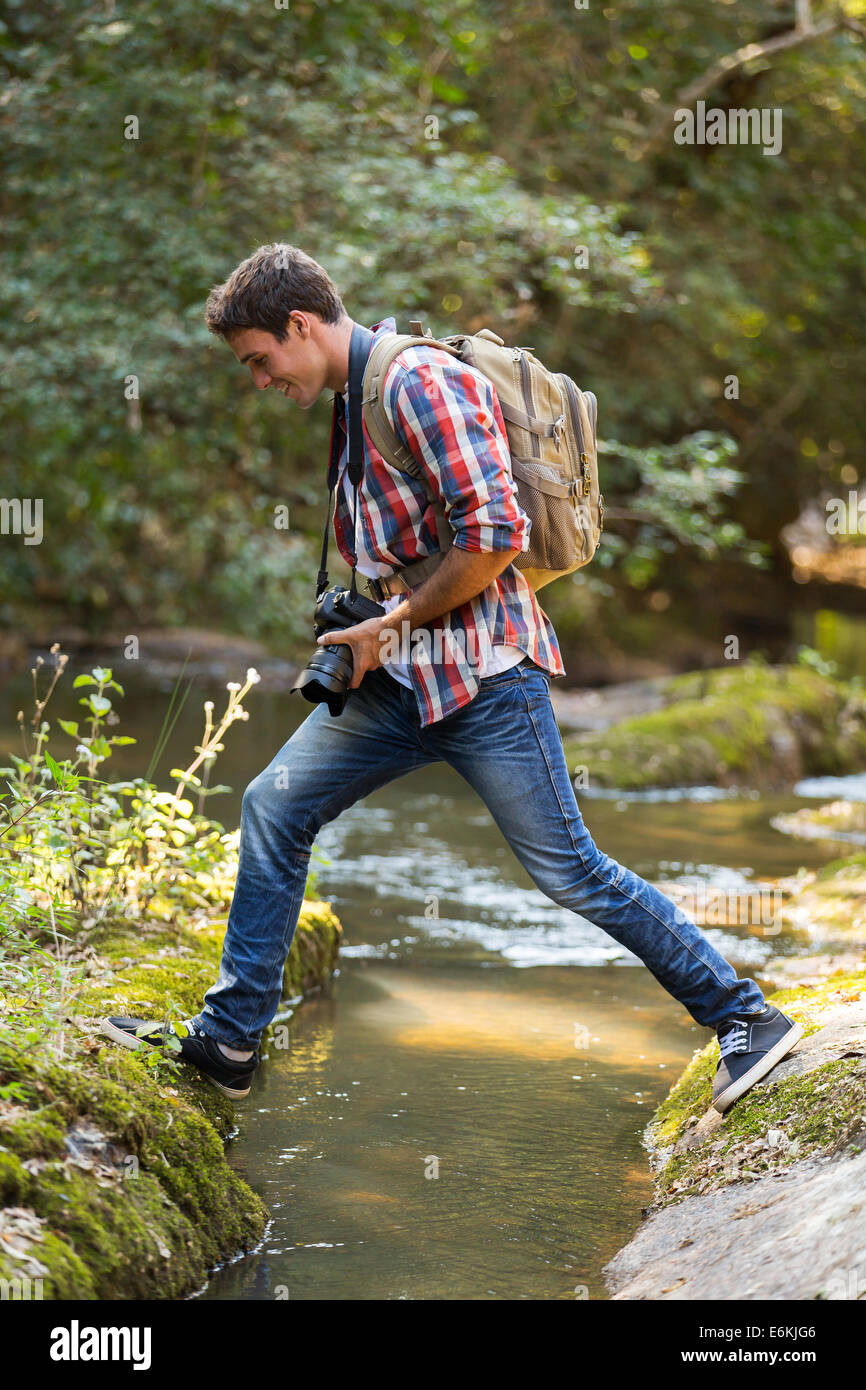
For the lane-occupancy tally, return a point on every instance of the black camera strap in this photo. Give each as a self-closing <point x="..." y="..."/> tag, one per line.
<point x="359" y="352"/>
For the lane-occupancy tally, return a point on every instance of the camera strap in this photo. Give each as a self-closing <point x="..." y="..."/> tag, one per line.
<point x="359" y="352"/>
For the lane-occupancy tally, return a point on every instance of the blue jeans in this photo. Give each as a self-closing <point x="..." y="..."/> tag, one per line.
<point x="506" y="744"/>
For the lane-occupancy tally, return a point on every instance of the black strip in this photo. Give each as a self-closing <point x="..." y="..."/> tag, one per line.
<point x="359" y="352"/>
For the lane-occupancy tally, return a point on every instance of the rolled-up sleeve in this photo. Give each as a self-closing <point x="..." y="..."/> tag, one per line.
<point x="449" y="418"/>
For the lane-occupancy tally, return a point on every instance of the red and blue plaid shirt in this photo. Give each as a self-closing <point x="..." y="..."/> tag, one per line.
<point x="448" y="416"/>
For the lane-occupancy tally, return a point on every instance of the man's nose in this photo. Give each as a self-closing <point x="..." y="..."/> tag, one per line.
<point x="261" y="378"/>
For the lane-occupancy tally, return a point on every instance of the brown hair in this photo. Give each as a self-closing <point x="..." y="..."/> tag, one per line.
<point x="266" y="287"/>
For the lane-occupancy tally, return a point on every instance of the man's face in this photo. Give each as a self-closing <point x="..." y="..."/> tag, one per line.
<point x="297" y="366"/>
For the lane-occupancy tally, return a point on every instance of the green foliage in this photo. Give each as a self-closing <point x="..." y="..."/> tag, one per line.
<point x="680" y="501"/>
<point x="376" y="139"/>
<point x="76" y="850"/>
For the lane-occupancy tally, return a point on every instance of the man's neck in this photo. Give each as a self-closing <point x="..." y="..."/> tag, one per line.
<point x="338" y="355"/>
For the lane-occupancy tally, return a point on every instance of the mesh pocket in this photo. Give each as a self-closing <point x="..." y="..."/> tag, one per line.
<point x="556" y="540"/>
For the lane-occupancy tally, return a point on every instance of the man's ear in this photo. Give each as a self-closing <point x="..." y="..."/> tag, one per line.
<point x="300" y="322"/>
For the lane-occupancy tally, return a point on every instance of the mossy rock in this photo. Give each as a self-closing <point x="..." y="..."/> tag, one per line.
<point x="749" y="725"/>
<point x="819" y="1111"/>
<point x="166" y="968"/>
<point x="120" y="1171"/>
<point x="830" y="903"/>
<point x="157" y="1208"/>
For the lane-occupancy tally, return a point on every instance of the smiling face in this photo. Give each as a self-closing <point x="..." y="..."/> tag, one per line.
<point x="298" y="366"/>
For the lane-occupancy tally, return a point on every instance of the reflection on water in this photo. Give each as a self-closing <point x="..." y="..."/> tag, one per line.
<point x="476" y="1031"/>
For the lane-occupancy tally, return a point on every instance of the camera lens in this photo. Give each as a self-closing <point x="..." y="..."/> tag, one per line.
<point x="326" y="677"/>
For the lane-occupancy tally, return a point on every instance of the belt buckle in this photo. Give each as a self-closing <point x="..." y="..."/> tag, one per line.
<point x="381" y="588"/>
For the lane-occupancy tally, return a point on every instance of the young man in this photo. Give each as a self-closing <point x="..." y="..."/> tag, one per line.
<point x="484" y="707"/>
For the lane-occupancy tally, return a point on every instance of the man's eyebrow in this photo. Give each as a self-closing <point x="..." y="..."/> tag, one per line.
<point x="243" y="360"/>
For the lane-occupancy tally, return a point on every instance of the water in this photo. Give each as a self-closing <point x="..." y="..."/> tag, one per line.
<point x="478" y="1031"/>
<point x="451" y="1037"/>
<point x="459" y="1114"/>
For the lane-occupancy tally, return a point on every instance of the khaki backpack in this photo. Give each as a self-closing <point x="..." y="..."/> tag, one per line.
<point x="551" y="428"/>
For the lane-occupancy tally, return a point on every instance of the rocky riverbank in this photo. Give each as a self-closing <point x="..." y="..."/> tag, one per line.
<point x="766" y="1202"/>
<point x="113" y="1178"/>
<point x="749" y="724"/>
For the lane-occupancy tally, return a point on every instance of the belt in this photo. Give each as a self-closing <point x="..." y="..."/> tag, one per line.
<point x="380" y="589"/>
<point x="404" y="580"/>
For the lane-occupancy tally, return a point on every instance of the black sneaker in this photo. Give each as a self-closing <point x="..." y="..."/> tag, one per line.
<point x="192" y="1045"/>
<point x="750" y="1046"/>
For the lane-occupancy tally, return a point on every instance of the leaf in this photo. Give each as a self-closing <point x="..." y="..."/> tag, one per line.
<point x="82" y="680"/>
<point x="100" y="704"/>
<point x="446" y="90"/>
<point x="122" y="739"/>
<point x="54" y="768"/>
<point x="69" y="726"/>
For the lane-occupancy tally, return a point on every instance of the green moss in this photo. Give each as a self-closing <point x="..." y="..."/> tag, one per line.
<point x="820" y="1112"/>
<point x="14" y="1180"/>
<point x="166" y="968"/>
<point x="749" y="725"/>
<point x="162" y="1205"/>
<point x="691" y="1095"/>
<point x="798" y="1000"/>
<point x="69" y="1277"/>
<point x="36" y="1133"/>
<point x="148" y="1211"/>
<point x="850" y="864"/>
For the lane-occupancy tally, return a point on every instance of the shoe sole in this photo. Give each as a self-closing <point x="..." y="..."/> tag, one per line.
<point x="744" y="1083"/>
<point x="133" y="1044"/>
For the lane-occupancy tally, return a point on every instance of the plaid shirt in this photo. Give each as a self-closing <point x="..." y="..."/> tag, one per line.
<point x="448" y="416"/>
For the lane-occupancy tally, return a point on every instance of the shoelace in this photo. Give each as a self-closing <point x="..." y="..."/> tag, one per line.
<point x="734" y="1039"/>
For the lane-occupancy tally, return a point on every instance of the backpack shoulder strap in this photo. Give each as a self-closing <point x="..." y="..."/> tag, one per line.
<point x="384" y="438"/>
<point x="381" y="432"/>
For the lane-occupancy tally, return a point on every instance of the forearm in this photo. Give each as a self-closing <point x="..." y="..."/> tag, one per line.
<point x="462" y="575"/>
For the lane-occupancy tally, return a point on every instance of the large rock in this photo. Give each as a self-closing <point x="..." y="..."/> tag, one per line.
<point x="796" y="1235"/>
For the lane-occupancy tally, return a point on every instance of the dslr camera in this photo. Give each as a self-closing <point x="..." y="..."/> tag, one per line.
<point x="326" y="677"/>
